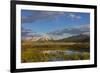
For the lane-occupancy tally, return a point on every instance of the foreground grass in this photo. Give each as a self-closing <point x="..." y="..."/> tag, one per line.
<point x="33" y="52"/>
<point x="38" y="56"/>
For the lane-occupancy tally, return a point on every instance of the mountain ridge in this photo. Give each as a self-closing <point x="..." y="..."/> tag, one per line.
<point x="75" y="38"/>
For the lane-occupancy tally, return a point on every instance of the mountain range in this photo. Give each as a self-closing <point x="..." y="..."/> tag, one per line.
<point x="75" y="38"/>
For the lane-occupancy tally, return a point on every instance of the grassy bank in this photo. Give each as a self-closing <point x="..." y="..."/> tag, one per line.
<point x="33" y="51"/>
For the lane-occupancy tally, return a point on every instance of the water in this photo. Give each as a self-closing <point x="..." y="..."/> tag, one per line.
<point x="68" y="52"/>
<point x="59" y="55"/>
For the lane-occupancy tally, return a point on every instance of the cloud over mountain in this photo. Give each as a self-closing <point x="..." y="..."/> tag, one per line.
<point x="74" y="31"/>
<point x="28" y="33"/>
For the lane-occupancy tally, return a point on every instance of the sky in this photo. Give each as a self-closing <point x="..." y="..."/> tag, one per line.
<point x="55" y="22"/>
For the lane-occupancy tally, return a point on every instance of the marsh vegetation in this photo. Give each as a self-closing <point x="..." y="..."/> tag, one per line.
<point x="54" y="51"/>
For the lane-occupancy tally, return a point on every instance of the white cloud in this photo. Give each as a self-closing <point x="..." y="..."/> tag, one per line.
<point x="74" y="16"/>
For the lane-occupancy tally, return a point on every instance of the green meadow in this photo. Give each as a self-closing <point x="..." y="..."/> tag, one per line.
<point x="45" y="51"/>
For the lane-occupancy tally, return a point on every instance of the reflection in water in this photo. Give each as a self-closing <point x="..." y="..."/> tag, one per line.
<point x="69" y="52"/>
<point x="31" y="55"/>
<point x="59" y="55"/>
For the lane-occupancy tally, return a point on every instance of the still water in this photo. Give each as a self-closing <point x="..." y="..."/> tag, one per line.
<point x="58" y="55"/>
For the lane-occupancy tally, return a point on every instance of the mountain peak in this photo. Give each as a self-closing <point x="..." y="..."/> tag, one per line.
<point x="45" y="37"/>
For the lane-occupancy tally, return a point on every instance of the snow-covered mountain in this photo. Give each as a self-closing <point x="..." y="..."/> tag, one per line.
<point x="45" y="37"/>
<point x="29" y="35"/>
<point x="37" y="37"/>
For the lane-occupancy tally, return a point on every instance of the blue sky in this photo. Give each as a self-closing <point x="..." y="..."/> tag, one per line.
<point x="50" y="21"/>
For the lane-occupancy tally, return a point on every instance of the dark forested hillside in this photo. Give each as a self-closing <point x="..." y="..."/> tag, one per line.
<point x="78" y="38"/>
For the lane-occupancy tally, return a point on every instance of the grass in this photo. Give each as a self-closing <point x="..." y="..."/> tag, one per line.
<point x="33" y="51"/>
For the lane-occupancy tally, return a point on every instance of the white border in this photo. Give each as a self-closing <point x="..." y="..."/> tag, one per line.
<point x="20" y="65"/>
